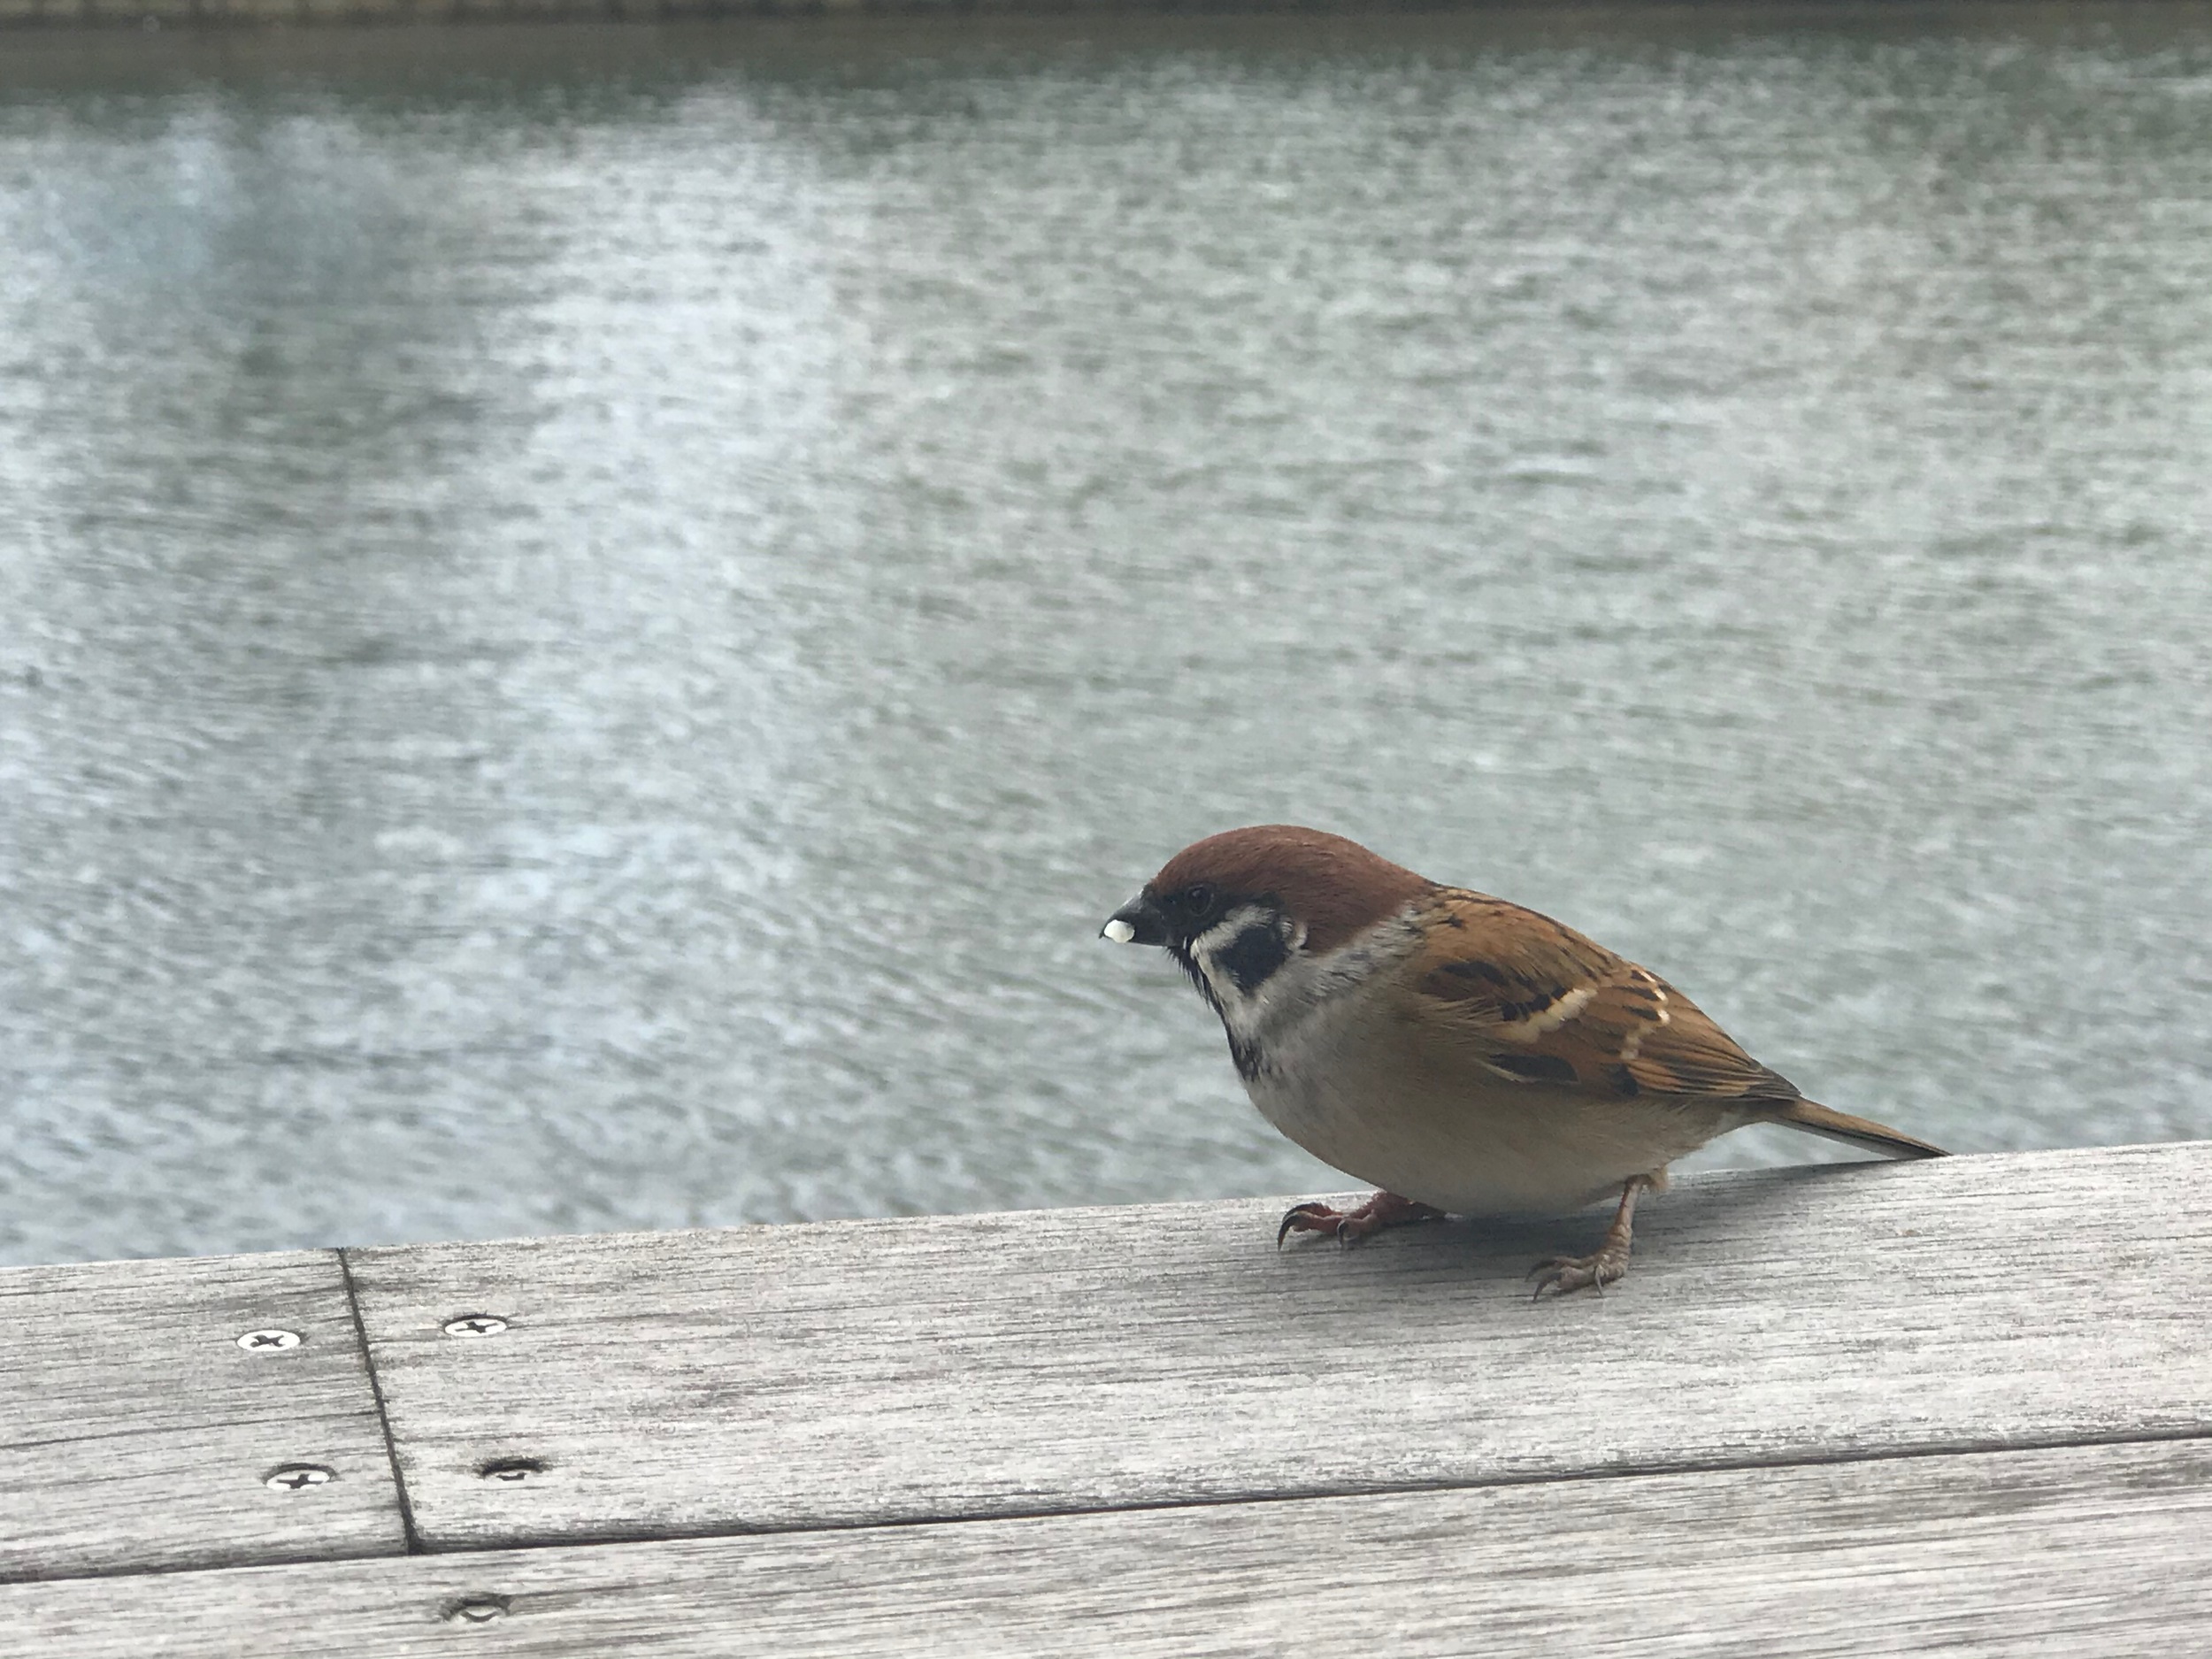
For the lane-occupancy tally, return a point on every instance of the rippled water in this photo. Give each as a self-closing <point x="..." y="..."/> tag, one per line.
<point x="591" y="620"/>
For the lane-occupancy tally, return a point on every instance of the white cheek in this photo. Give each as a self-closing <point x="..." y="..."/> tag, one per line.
<point x="1208" y="945"/>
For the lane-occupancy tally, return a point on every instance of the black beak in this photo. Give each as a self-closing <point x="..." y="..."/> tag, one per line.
<point x="1138" y="922"/>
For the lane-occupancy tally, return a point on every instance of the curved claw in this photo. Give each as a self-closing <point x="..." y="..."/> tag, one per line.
<point x="1563" y="1275"/>
<point x="1383" y="1210"/>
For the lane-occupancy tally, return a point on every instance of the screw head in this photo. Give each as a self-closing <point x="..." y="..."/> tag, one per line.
<point x="268" y="1341"/>
<point x="475" y="1325"/>
<point x="299" y="1476"/>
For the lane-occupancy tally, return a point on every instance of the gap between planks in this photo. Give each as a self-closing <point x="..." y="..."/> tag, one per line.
<point x="912" y="1286"/>
<point x="383" y="1414"/>
<point x="2037" y="1552"/>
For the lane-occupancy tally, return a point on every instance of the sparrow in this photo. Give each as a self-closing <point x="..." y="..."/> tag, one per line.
<point x="1464" y="1055"/>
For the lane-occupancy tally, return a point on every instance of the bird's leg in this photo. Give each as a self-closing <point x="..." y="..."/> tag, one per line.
<point x="1383" y="1210"/>
<point x="1564" y="1274"/>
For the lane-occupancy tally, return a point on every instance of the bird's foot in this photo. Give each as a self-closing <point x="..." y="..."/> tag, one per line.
<point x="1383" y="1210"/>
<point x="1563" y="1275"/>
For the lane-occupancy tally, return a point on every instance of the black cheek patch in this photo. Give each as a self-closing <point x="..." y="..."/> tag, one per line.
<point x="1253" y="956"/>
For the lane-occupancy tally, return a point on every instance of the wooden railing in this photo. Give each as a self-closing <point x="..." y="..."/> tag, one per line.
<point x="1850" y="1410"/>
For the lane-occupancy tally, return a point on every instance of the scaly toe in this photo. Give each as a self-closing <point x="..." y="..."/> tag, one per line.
<point x="1563" y="1275"/>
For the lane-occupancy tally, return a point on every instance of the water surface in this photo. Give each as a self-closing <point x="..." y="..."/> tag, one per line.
<point x="591" y="619"/>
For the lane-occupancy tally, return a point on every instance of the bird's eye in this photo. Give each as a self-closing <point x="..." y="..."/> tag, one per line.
<point x="1198" y="900"/>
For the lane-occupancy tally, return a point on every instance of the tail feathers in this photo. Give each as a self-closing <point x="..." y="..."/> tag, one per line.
<point x="1858" y="1131"/>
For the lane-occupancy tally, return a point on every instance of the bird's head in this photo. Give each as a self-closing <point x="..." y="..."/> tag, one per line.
<point x="1235" y="908"/>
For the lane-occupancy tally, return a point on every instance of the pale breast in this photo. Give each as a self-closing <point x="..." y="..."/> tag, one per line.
<point x="1466" y="1143"/>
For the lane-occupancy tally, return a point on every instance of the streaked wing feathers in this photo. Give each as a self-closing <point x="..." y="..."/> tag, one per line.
<point x="1538" y="1003"/>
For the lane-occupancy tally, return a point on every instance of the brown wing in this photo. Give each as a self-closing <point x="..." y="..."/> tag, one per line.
<point x="1535" y="1000"/>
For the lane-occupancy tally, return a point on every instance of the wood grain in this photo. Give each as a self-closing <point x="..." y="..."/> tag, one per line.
<point x="972" y="1366"/>
<point x="2104" y="1551"/>
<point x="136" y="1434"/>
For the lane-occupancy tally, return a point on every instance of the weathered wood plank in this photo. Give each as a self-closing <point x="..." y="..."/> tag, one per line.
<point x="2104" y="1550"/>
<point x="135" y="1434"/>
<point x="771" y="1378"/>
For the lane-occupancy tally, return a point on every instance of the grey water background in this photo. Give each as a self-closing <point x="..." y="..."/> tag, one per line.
<point x="591" y="620"/>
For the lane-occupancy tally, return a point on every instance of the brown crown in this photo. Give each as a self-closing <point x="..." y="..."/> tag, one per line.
<point x="1335" y="886"/>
